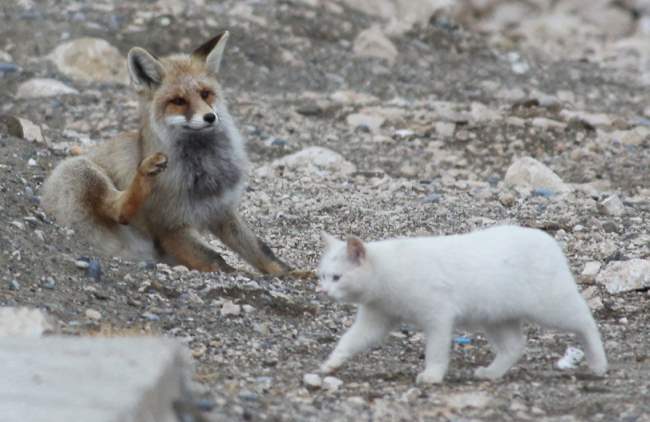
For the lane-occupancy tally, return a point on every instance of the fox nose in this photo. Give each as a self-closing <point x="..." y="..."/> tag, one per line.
<point x="209" y="117"/>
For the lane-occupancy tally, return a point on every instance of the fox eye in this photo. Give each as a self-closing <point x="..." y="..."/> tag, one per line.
<point x="205" y="94"/>
<point x="336" y="277"/>
<point x="178" y="101"/>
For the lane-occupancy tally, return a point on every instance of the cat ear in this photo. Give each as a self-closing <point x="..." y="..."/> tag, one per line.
<point x="328" y="239"/>
<point x="212" y="52"/>
<point x="356" y="249"/>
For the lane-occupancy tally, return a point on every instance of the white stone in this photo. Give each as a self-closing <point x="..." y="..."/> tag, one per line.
<point x="230" y="308"/>
<point x="312" y="380"/>
<point x="23" y="322"/>
<point x="90" y="59"/>
<point x="352" y="97"/>
<point x="55" y="379"/>
<point x="445" y="129"/>
<point x="594" y="119"/>
<point x="623" y="276"/>
<point x="400" y="15"/>
<point x="248" y="308"/>
<point x="481" y="113"/>
<point x="23" y="128"/>
<point x="612" y="206"/>
<point x="591" y="269"/>
<point x="529" y="173"/>
<point x="372" y="121"/>
<point x="571" y="359"/>
<point x="315" y="161"/>
<point x="42" y="87"/>
<point x="373" y="43"/>
<point x="544" y="123"/>
<point x="475" y="399"/>
<point x="93" y="314"/>
<point x="332" y="383"/>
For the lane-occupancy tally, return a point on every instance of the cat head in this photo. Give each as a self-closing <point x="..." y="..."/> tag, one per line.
<point x="345" y="272"/>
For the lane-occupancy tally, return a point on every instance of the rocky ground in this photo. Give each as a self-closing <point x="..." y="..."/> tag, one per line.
<point x="423" y="126"/>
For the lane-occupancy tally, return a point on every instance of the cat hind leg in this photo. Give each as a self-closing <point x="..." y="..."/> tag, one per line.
<point x="508" y="342"/>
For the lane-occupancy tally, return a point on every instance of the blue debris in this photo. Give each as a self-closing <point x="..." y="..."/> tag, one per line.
<point x="8" y="68"/>
<point x="543" y="192"/>
<point x="94" y="269"/>
<point x="462" y="340"/>
<point x="279" y="142"/>
<point x="14" y="285"/>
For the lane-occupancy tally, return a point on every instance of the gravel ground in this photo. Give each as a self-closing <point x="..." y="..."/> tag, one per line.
<point x="457" y="109"/>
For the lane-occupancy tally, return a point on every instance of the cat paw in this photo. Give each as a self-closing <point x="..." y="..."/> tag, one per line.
<point x="327" y="369"/>
<point x="486" y="373"/>
<point x="153" y="164"/>
<point x="428" y="378"/>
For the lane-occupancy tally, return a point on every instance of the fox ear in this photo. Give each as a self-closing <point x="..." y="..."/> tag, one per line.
<point x="356" y="249"/>
<point x="328" y="239"/>
<point x="145" y="70"/>
<point x="212" y="52"/>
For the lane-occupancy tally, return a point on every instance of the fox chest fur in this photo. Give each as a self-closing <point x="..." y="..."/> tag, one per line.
<point x="205" y="177"/>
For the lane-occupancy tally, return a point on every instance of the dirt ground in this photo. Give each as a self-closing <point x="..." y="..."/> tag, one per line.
<point x="284" y="62"/>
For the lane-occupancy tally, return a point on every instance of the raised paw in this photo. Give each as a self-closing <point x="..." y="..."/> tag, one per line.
<point x="428" y="377"/>
<point x="153" y="164"/>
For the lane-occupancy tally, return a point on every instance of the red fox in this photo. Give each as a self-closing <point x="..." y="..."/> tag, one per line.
<point x="149" y="194"/>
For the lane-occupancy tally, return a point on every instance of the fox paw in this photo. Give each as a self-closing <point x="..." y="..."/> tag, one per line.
<point x="153" y="164"/>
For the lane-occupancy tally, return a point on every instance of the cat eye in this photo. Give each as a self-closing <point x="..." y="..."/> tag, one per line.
<point x="336" y="277"/>
<point x="178" y="101"/>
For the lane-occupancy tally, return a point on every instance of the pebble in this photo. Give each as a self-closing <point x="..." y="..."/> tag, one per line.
<point x="591" y="269"/>
<point x="229" y="308"/>
<point x="94" y="269"/>
<point x="49" y="283"/>
<point x="332" y="383"/>
<point x="312" y="380"/>
<point x="507" y="199"/>
<point x="411" y="395"/>
<point x="93" y="314"/>
<point x="612" y="206"/>
<point x="150" y="316"/>
<point x="14" y="285"/>
<point x="624" y="276"/>
<point x="82" y="264"/>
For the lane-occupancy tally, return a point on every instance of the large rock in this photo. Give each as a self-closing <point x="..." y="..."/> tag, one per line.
<point x="37" y="88"/>
<point x="23" y="128"/>
<point x="624" y="276"/>
<point x="312" y="161"/>
<point x="400" y="15"/>
<point x="529" y="173"/>
<point x="56" y="379"/>
<point x="90" y="59"/>
<point x="23" y="322"/>
<point x="373" y="43"/>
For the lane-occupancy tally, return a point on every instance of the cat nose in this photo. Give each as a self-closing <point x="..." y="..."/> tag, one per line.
<point x="209" y="117"/>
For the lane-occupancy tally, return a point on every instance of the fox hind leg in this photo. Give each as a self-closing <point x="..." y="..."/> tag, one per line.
<point x="188" y="248"/>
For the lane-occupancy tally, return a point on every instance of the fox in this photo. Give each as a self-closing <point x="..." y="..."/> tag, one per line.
<point x="152" y="193"/>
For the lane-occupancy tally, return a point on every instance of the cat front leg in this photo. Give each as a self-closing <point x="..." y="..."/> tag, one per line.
<point x="369" y="329"/>
<point x="437" y="352"/>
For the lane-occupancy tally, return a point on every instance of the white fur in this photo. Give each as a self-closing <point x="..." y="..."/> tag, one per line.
<point x="490" y="280"/>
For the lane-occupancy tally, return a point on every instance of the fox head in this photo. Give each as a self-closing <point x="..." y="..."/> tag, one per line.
<point x="180" y="94"/>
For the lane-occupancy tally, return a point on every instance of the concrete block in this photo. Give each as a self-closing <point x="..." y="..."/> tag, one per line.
<point x="57" y="379"/>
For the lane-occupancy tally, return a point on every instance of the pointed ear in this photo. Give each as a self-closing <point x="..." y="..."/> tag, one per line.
<point x="356" y="249"/>
<point x="212" y="52"/>
<point x="144" y="69"/>
<point x="328" y="239"/>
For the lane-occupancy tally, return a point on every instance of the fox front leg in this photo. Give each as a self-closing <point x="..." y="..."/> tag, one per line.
<point x="235" y="234"/>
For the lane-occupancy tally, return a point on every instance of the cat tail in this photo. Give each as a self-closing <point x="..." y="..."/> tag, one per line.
<point x="590" y="337"/>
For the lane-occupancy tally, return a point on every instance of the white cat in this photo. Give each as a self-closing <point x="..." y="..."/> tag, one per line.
<point x="491" y="280"/>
